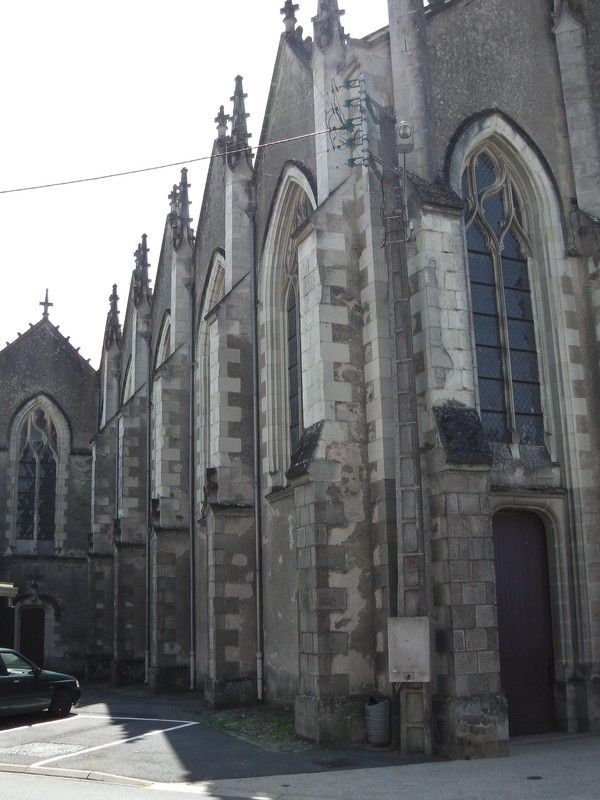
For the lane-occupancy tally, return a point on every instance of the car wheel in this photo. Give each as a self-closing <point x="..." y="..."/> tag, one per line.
<point x="61" y="703"/>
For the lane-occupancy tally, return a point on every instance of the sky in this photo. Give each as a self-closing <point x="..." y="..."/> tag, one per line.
<point x="95" y="88"/>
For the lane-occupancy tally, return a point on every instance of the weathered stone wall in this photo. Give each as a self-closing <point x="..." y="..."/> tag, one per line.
<point x="591" y="16"/>
<point x="170" y="609"/>
<point x="499" y="54"/>
<point x="337" y="638"/>
<point x="280" y="568"/>
<point x="60" y="586"/>
<point x="232" y="643"/>
<point x="170" y="584"/>
<point x="130" y="547"/>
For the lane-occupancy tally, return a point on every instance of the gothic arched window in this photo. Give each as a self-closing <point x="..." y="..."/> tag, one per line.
<point x="283" y="304"/>
<point x="507" y="360"/>
<point x="293" y="365"/>
<point x="163" y="350"/>
<point x="36" y="481"/>
<point x="208" y="376"/>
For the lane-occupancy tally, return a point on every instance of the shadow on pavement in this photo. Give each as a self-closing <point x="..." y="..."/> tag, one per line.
<point x="202" y="753"/>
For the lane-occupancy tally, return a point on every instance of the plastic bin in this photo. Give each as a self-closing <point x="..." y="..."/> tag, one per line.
<point x="377" y="713"/>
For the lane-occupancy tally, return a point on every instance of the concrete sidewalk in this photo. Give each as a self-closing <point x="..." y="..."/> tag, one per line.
<point x="556" y="767"/>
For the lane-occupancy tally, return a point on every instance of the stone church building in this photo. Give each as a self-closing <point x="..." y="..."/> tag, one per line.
<point x="346" y="441"/>
<point x="48" y="401"/>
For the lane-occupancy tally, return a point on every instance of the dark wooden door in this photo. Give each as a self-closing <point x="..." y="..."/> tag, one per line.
<point x="7" y="624"/>
<point x="524" y="621"/>
<point x="31" y="634"/>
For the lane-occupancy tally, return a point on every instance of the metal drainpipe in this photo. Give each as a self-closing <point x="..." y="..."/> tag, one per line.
<point x="251" y="212"/>
<point x="150" y="384"/>
<point x="192" y="489"/>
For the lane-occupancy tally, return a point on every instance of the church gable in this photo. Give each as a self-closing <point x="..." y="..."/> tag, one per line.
<point x="289" y="113"/>
<point x="211" y="221"/>
<point x="43" y="362"/>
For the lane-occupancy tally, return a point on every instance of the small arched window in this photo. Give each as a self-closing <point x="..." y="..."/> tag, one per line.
<point x="498" y="248"/>
<point x="36" y="480"/>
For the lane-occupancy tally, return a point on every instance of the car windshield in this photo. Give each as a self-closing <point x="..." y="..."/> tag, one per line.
<point x="15" y="665"/>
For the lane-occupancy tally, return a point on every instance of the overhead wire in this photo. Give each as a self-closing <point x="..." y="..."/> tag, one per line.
<point x="154" y="168"/>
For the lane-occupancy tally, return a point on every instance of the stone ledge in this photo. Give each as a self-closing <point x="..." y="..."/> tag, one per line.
<point x="230" y="693"/>
<point x="337" y="720"/>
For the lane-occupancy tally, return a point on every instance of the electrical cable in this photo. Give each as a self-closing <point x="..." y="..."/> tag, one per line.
<point x="110" y="175"/>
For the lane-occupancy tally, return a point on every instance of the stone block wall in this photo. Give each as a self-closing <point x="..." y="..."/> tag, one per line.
<point x="335" y="551"/>
<point x="170" y="611"/>
<point x="100" y="641"/>
<point x="232" y="642"/>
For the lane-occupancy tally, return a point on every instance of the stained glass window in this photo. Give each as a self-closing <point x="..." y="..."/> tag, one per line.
<point x="507" y="361"/>
<point x="36" y="485"/>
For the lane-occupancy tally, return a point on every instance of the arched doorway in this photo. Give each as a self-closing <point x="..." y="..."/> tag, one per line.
<point x="524" y="621"/>
<point x="32" y="633"/>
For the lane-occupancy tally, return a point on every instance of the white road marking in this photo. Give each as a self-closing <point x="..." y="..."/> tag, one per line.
<point x="39" y="724"/>
<point x="133" y="719"/>
<point x="112" y="744"/>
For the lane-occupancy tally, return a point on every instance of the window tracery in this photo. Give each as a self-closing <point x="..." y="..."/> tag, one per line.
<point x="498" y="251"/>
<point x="36" y="481"/>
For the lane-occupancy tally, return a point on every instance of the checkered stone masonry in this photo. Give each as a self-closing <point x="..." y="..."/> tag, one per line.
<point x="129" y="548"/>
<point x="469" y="715"/>
<point x="169" y="656"/>
<point x="336" y="632"/>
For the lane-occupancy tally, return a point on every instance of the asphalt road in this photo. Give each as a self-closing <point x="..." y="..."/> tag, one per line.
<point x="554" y="767"/>
<point x="161" y="739"/>
<point x="26" y="787"/>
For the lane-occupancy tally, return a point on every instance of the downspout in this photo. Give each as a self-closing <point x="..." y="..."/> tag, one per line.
<point x="251" y="212"/>
<point x="192" y="486"/>
<point x="150" y="384"/>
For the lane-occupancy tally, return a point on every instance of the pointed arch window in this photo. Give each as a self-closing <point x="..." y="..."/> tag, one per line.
<point x="128" y="388"/>
<point x="498" y="250"/>
<point x="293" y="364"/>
<point x="208" y="376"/>
<point x="36" y="480"/>
<point x="284" y="300"/>
<point x="164" y="346"/>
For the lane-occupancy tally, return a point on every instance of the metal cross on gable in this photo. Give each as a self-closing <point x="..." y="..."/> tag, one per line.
<point x="47" y="304"/>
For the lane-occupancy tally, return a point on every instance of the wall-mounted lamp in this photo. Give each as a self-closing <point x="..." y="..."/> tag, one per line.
<point x="406" y="136"/>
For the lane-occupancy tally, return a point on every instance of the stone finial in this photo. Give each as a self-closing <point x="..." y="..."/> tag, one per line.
<point x="112" y="334"/>
<point x="289" y="16"/>
<point x="180" y="211"/>
<point x="140" y="274"/>
<point x="114" y="300"/>
<point x="184" y="199"/>
<point x="222" y="120"/>
<point x="327" y="25"/>
<point x="47" y="304"/>
<point x="239" y="127"/>
<point x="173" y="200"/>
